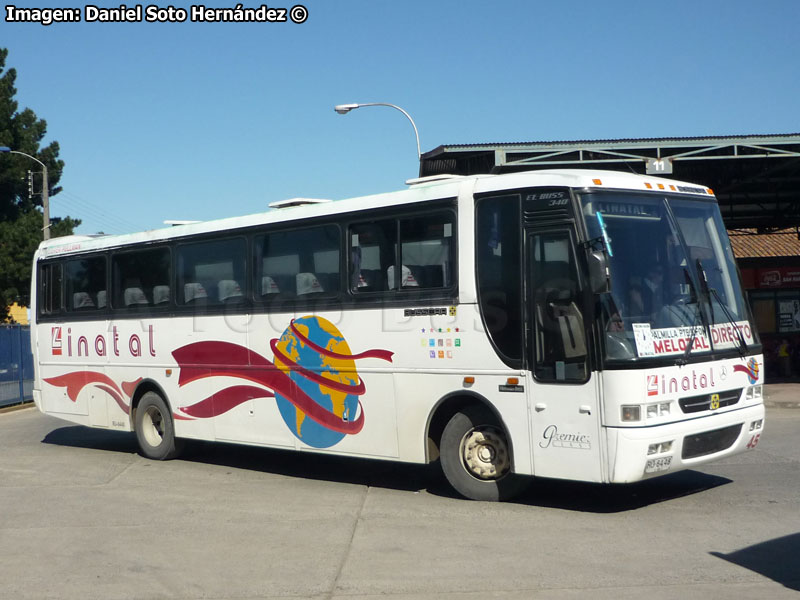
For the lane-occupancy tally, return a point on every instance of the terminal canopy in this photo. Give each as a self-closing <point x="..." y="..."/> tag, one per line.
<point x="756" y="178"/>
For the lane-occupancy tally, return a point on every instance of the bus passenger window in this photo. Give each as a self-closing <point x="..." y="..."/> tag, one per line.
<point x="295" y="265"/>
<point x="372" y="254"/>
<point x="85" y="279"/>
<point x="427" y="250"/>
<point x="141" y="279"/>
<point x="212" y="272"/>
<point x="49" y="292"/>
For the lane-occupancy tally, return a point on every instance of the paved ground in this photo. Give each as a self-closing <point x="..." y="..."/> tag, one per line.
<point x="83" y="516"/>
<point x="782" y="395"/>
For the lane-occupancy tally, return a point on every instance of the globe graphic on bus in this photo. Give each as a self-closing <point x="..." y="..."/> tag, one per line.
<point x="317" y="358"/>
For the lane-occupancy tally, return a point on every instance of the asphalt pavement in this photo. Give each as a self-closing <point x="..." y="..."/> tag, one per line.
<point x="84" y="516"/>
<point x="782" y="395"/>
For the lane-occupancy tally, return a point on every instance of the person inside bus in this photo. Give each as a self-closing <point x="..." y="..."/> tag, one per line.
<point x="652" y="291"/>
<point x="635" y="301"/>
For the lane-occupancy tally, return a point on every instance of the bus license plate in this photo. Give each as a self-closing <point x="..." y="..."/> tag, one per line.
<point x="654" y="465"/>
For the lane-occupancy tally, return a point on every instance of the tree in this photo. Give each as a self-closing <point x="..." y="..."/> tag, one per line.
<point x="18" y="241"/>
<point x="20" y="215"/>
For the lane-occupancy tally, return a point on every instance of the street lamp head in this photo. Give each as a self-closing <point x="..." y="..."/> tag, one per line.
<point x="5" y="149"/>
<point x="343" y="109"/>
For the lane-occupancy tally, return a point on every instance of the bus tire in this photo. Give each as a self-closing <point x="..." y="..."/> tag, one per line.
<point x="155" y="430"/>
<point x="476" y="458"/>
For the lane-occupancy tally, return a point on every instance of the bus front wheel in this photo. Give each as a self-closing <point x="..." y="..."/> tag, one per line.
<point x="155" y="431"/>
<point x="475" y="456"/>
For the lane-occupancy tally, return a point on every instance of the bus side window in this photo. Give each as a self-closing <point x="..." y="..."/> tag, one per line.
<point x="49" y="291"/>
<point x="372" y="254"/>
<point x="298" y="265"/>
<point x="559" y="332"/>
<point x="426" y="254"/>
<point x="85" y="279"/>
<point x="141" y="279"/>
<point x="212" y="272"/>
<point x="497" y="259"/>
<point x="427" y="251"/>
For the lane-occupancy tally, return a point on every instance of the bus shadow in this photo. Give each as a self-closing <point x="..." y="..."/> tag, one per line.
<point x="776" y="559"/>
<point x="308" y="465"/>
<point x="78" y="436"/>
<point x="290" y="463"/>
<point x="613" y="498"/>
<point x="547" y="493"/>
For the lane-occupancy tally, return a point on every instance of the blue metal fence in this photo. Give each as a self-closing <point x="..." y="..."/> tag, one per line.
<point x="16" y="364"/>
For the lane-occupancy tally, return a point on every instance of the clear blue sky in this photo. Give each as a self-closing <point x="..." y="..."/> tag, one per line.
<point x="164" y="121"/>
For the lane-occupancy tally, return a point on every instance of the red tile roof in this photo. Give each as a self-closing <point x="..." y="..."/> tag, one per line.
<point x="747" y="243"/>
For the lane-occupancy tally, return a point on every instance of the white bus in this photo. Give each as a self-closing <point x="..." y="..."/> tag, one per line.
<point x="570" y="324"/>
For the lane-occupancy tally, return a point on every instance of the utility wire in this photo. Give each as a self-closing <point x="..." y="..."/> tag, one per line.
<point x="84" y="208"/>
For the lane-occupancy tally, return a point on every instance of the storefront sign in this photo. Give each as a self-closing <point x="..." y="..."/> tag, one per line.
<point x="778" y="277"/>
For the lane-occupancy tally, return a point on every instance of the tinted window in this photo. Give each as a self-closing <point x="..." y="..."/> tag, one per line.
<point x="372" y="254"/>
<point x="50" y="289"/>
<point x="426" y="253"/>
<point x="212" y="272"/>
<point x="141" y="278"/>
<point x="302" y="264"/>
<point x="86" y="284"/>
<point x="498" y="256"/>
<point x="559" y="333"/>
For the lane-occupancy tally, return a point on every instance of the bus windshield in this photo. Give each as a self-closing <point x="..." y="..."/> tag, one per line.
<point x="674" y="284"/>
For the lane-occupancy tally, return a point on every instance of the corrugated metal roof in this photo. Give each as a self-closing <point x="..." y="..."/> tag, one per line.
<point x="756" y="177"/>
<point x="747" y="243"/>
<point x="788" y="137"/>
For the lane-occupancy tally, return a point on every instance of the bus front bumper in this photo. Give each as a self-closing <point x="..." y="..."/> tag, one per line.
<point x="638" y="453"/>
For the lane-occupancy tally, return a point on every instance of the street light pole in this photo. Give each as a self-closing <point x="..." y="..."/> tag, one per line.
<point x="343" y="109"/>
<point x="45" y="189"/>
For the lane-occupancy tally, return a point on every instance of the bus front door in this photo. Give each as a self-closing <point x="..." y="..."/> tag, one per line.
<point x="563" y="392"/>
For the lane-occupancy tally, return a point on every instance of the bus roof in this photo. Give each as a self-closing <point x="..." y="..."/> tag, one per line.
<point x="419" y="190"/>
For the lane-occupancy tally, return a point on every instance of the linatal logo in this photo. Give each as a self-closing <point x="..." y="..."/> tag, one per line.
<point x="55" y="340"/>
<point x="652" y="385"/>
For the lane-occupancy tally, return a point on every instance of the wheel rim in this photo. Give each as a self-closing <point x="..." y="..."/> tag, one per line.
<point x="484" y="453"/>
<point x="153" y="426"/>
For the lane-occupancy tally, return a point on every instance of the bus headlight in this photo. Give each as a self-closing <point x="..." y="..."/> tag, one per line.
<point x="631" y="412"/>
<point x="754" y="392"/>
<point x="658" y="410"/>
<point x="660" y="448"/>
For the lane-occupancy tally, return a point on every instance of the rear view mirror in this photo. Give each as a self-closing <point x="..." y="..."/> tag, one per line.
<point x="599" y="275"/>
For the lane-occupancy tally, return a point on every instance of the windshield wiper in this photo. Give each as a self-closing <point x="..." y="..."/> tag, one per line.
<point x="709" y="291"/>
<point x="697" y="313"/>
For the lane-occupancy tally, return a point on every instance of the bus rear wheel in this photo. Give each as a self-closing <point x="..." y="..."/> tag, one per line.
<point x="155" y="430"/>
<point x="475" y="456"/>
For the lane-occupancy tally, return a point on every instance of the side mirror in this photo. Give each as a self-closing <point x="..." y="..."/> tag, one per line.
<point x="599" y="275"/>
